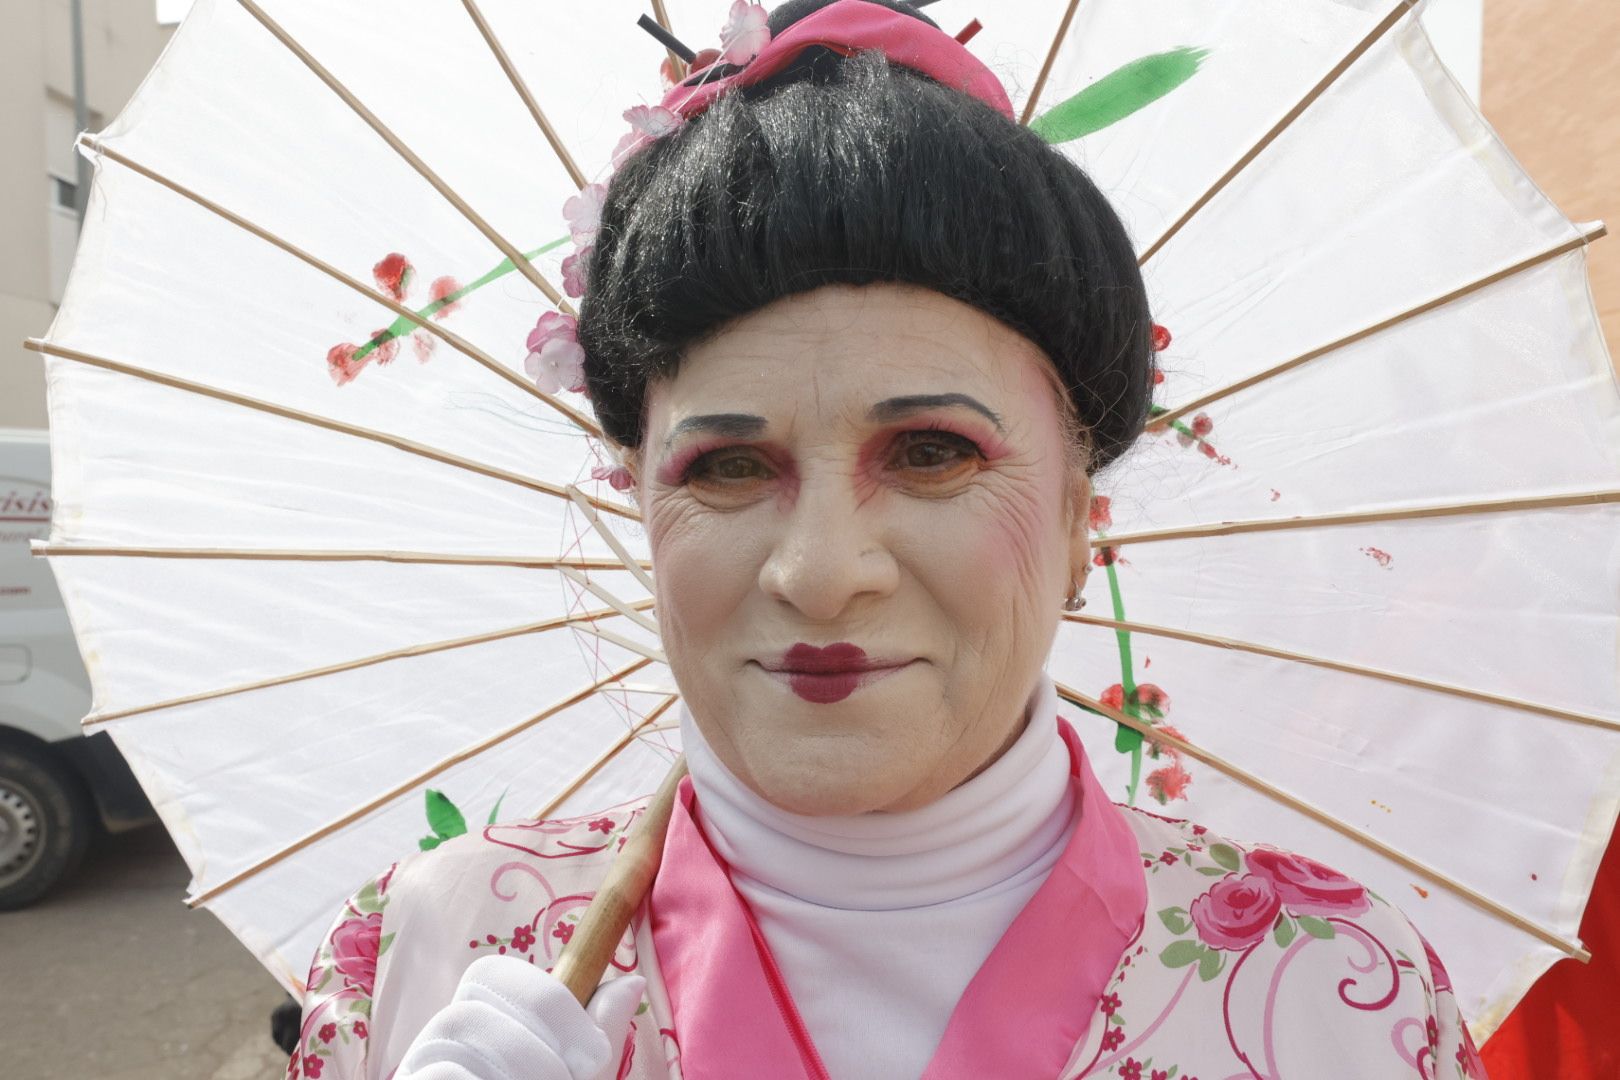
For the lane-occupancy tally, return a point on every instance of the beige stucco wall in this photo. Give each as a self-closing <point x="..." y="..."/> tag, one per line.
<point x="121" y="40"/>
<point x="1551" y="88"/>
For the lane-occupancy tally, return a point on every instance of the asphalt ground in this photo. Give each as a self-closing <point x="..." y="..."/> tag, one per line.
<point x="112" y="976"/>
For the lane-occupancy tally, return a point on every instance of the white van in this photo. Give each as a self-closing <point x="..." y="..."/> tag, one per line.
<point x="55" y="784"/>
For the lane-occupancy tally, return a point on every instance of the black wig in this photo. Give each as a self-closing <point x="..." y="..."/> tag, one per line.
<point x="853" y="171"/>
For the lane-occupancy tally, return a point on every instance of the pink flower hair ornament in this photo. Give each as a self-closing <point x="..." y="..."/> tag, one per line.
<point x="846" y="27"/>
<point x="556" y="361"/>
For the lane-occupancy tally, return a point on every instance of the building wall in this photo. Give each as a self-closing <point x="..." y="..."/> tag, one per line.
<point x="122" y="38"/>
<point x="1551" y="88"/>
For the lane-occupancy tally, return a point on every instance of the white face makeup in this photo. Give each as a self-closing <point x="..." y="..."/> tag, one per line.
<point x="863" y="522"/>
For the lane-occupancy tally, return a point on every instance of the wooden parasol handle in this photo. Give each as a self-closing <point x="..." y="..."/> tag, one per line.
<point x="599" y="932"/>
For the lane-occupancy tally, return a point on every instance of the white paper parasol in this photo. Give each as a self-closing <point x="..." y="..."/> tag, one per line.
<point x="1371" y="551"/>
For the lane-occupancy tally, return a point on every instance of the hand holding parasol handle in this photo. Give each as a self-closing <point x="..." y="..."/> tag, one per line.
<point x="589" y="951"/>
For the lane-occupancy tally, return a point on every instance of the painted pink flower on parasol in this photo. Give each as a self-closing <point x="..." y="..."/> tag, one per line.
<point x="1169" y="782"/>
<point x="1101" y="513"/>
<point x="555" y="361"/>
<point x="746" y="32"/>
<point x="1236" y="912"/>
<point x="393" y="274"/>
<point x="1305" y="886"/>
<point x="355" y="945"/>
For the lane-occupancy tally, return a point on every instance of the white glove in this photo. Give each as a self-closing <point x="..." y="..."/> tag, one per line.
<point x="510" y="1020"/>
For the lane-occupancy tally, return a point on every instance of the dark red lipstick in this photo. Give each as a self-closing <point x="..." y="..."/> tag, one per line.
<point x="825" y="674"/>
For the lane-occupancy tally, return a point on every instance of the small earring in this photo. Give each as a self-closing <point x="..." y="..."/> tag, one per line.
<point x="1074" y="601"/>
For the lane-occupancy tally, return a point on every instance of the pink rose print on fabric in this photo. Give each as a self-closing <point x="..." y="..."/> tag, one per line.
<point x="359" y="1029"/>
<point x="555" y="361"/>
<point x="746" y="33"/>
<point x="313" y="1066"/>
<point x="1236" y="912"/>
<point x="355" y="945"/>
<point x="1442" y="979"/>
<point x="522" y="938"/>
<point x="1306" y="887"/>
<point x="327" y="1033"/>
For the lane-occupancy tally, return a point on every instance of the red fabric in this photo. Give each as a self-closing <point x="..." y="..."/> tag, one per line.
<point x="1568" y="1026"/>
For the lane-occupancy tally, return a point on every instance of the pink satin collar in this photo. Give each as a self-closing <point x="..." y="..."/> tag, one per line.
<point x="849" y="27"/>
<point x="1021" y="1015"/>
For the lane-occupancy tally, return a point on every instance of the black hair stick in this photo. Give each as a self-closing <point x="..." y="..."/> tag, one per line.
<point x="666" y="39"/>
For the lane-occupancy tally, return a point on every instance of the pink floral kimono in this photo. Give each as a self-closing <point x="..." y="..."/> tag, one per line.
<point x="1153" y="951"/>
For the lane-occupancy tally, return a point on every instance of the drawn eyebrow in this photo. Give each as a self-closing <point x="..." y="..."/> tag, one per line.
<point x="731" y="425"/>
<point x="897" y="407"/>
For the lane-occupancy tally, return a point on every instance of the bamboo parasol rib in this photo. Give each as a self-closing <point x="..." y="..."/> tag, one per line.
<point x="523" y="92"/>
<point x="1594" y="231"/>
<point x="645" y="727"/>
<point x="433" y="454"/>
<point x="589" y="951"/>
<point x="651" y="652"/>
<point x="1051" y="57"/>
<point x="1390" y="19"/>
<point x="371" y="805"/>
<point x="675" y="62"/>
<point x="583" y="619"/>
<point x="535" y="562"/>
<point x="455" y="341"/>
<point x="611" y="600"/>
<point x="1195" y="638"/>
<point x="1493" y="506"/>
<point x="505" y="246"/>
<point x="1322" y="817"/>
<point x="630" y="563"/>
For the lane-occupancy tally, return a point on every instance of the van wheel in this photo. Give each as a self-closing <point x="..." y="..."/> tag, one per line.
<point x="45" y="824"/>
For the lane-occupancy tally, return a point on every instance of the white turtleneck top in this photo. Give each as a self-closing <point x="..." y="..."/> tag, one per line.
<point x="879" y="921"/>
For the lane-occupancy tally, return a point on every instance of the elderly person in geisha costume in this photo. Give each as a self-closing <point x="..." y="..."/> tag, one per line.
<point x="863" y="341"/>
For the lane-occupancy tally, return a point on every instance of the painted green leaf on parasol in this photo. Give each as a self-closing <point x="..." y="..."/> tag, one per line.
<point x="444" y="819"/>
<point x="1118" y="94"/>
